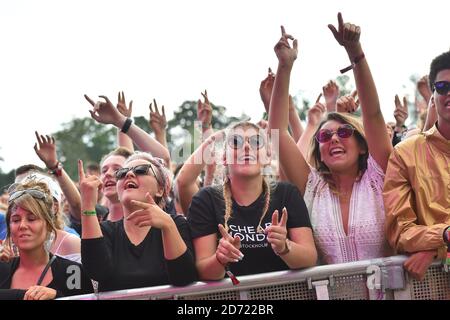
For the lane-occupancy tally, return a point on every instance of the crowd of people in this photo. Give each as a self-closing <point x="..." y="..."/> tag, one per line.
<point x="342" y="188"/>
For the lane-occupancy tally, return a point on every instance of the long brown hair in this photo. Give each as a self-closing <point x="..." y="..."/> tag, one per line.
<point x="315" y="158"/>
<point x="268" y="188"/>
<point x="41" y="208"/>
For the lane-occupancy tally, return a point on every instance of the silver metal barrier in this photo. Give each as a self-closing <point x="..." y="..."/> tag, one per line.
<point x="376" y="279"/>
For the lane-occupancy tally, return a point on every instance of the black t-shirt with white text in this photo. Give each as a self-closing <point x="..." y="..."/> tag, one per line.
<point x="207" y="211"/>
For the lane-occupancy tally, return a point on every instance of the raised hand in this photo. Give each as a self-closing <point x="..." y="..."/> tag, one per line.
<point x="105" y="112"/>
<point x="401" y="111"/>
<point x="204" y="111"/>
<point x="228" y="249"/>
<point x="347" y="103"/>
<point x="277" y="231"/>
<point x="424" y="88"/>
<point x="315" y="114"/>
<point x="40" y="293"/>
<point x="122" y="105"/>
<point x="89" y="188"/>
<point x="331" y="94"/>
<point x="347" y="35"/>
<point x="149" y="214"/>
<point x="46" y="150"/>
<point x="265" y="89"/>
<point x="157" y="121"/>
<point x="285" y="53"/>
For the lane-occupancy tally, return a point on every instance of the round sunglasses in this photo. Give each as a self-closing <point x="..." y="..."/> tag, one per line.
<point x="324" y="135"/>
<point x="140" y="170"/>
<point x="442" y="87"/>
<point x="237" y="141"/>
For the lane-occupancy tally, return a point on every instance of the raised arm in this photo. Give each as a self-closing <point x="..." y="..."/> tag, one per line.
<point x="46" y="151"/>
<point x="192" y="168"/>
<point x="293" y="162"/>
<point x="431" y="115"/>
<point x="331" y="94"/>
<point x="380" y="146"/>
<point x="124" y="140"/>
<point x="106" y="113"/>
<point x="204" y="115"/>
<point x="89" y="186"/>
<point x="315" y="115"/>
<point x="158" y="123"/>
<point x="265" y="91"/>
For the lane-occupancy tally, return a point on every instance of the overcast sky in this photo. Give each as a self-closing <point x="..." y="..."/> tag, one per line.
<point x="52" y="52"/>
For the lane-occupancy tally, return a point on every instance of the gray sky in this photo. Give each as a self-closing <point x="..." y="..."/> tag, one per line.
<point x="54" y="51"/>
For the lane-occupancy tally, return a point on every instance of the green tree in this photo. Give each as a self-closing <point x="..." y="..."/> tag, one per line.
<point x="83" y="139"/>
<point x="184" y="120"/>
<point x="344" y="84"/>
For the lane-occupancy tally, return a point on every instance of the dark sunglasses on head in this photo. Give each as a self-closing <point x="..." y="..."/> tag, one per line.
<point x="140" y="170"/>
<point x="237" y="141"/>
<point x="325" y="135"/>
<point x="442" y="87"/>
<point x="37" y="194"/>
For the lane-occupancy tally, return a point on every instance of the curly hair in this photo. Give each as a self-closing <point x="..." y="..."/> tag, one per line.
<point x="441" y="62"/>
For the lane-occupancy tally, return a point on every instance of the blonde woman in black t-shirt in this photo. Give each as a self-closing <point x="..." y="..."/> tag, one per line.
<point x="262" y="227"/>
<point x="148" y="247"/>
<point x="35" y="274"/>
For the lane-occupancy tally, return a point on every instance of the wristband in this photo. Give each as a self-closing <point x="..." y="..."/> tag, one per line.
<point x="89" y="213"/>
<point x="126" y="125"/>
<point x="354" y="62"/>
<point x="57" y="170"/>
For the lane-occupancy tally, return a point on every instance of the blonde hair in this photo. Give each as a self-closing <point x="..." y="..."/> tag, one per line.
<point x="226" y="187"/>
<point x="314" y="155"/>
<point x="41" y="208"/>
<point x="164" y="175"/>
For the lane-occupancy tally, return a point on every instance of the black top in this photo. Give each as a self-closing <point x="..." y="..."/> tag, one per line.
<point x="102" y="215"/>
<point x="207" y="211"/>
<point x="117" y="264"/>
<point x="69" y="279"/>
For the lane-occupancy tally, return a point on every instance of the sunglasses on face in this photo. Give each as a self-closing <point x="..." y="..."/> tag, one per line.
<point x="442" y="87"/>
<point x="140" y="170"/>
<point x="324" y="135"/>
<point x="237" y="141"/>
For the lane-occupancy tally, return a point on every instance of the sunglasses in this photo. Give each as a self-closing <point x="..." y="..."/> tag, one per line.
<point x="442" y="87"/>
<point x="237" y="141"/>
<point x="140" y="170"/>
<point x="324" y="135"/>
<point x="37" y="194"/>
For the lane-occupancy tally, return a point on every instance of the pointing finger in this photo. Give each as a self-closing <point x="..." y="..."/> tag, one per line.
<point x="318" y="98"/>
<point x="80" y="170"/>
<point x="284" y="217"/>
<point x="224" y="233"/>
<point x="89" y="100"/>
<point x="275" y="218"/>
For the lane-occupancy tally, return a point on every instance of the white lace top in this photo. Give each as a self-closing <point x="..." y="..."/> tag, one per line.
<point x="365" y="239"/>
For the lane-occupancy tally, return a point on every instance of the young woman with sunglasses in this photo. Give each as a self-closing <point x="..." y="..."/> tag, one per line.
<point x="148" y="247"/>
<point x="36" y="274"/>
<point x="343" y="189"/>
<point x="262" y="226"/>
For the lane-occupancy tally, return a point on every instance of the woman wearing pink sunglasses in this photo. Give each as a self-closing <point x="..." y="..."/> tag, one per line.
<point x="343" y="188"/>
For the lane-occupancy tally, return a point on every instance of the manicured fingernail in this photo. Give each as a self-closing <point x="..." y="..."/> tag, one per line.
<point x="235" y="260"/>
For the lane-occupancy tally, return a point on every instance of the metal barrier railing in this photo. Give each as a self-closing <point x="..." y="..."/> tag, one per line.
<point x="375" y="279"/>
